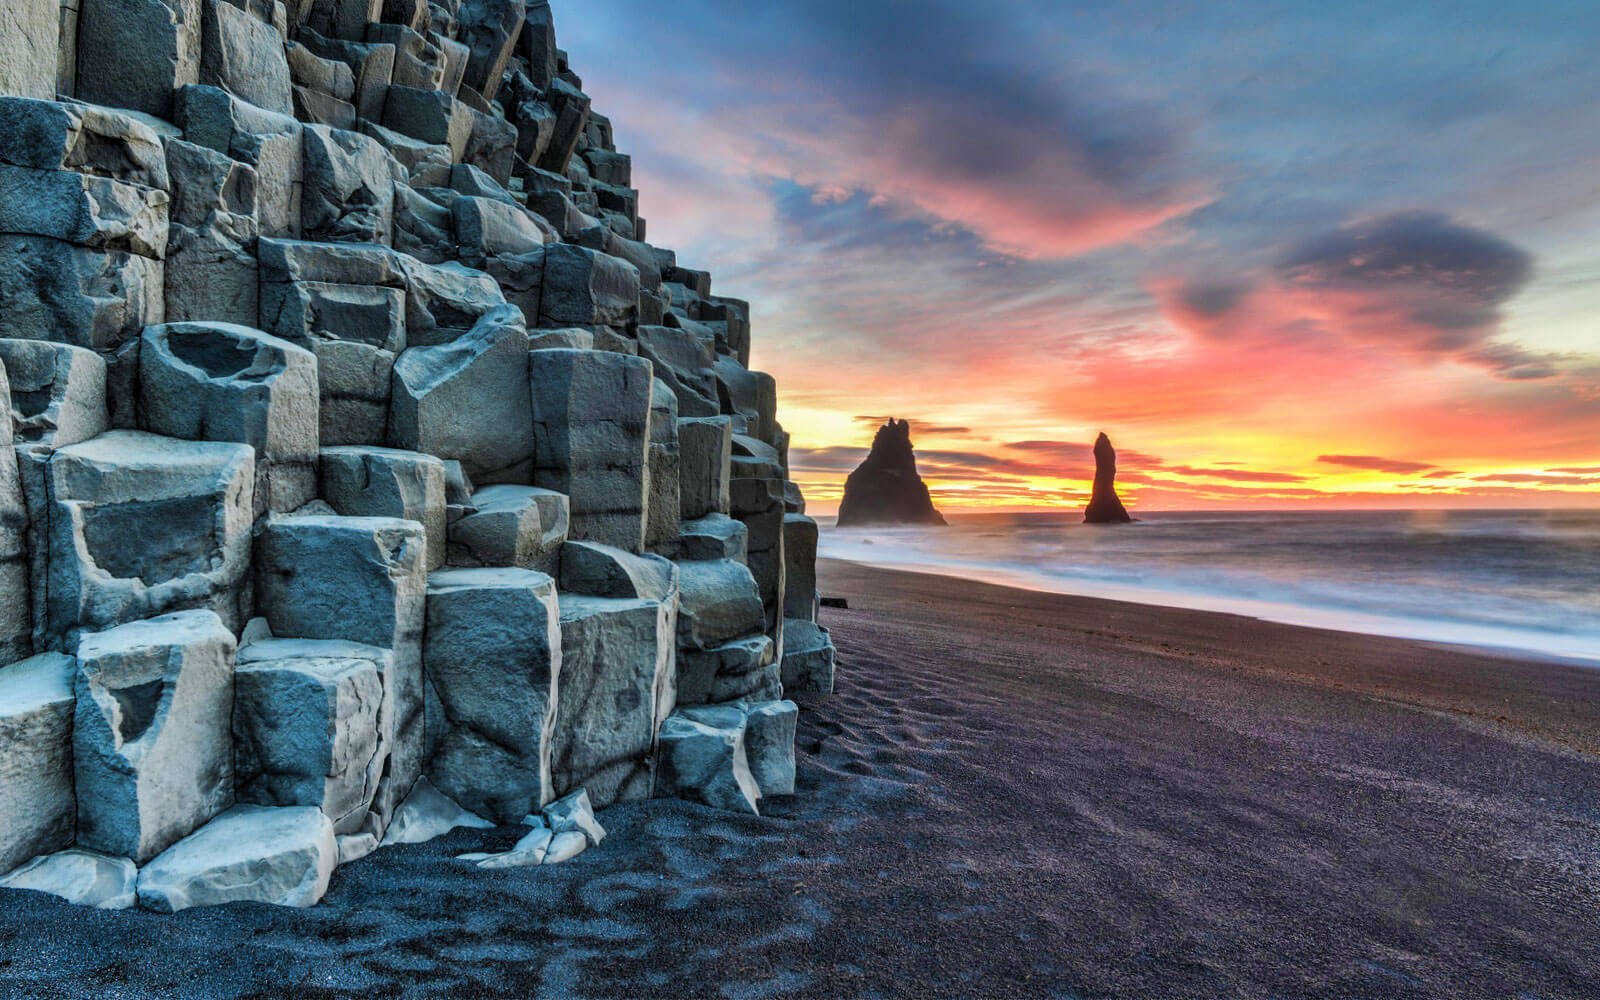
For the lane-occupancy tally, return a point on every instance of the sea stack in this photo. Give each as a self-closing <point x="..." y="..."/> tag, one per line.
<point x="886" y="489"/>
<point x="1104" y="507"/>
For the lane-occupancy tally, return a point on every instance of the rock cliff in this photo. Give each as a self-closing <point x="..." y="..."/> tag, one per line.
<point x="1104" y="506"/>
<point x="347" y="407"/>
<point x="885" y="488"/>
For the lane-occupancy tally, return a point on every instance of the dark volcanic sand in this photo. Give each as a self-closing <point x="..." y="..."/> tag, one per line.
<point x="1012" y="794"/>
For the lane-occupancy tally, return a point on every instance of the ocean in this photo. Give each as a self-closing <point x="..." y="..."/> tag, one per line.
<point x="1524" y="581"/>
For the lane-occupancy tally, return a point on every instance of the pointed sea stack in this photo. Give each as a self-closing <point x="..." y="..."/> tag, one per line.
<point x="886" y="489"/>
<point x="1104" y="507"/>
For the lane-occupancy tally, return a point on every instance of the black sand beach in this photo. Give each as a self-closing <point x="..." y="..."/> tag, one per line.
<point x="1012" y="795"/>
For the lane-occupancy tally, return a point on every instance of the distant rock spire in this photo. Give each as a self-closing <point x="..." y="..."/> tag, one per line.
<point x="1104" y="507"/>
<point x="886" y="489"/>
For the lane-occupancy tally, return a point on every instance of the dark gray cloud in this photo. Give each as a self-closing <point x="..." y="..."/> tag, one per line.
<point x="1376" y="463"/>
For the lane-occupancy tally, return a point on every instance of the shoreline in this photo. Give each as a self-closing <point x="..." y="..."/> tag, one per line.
<point x="1488" y="639"/>
<point x="1010" y="793"/>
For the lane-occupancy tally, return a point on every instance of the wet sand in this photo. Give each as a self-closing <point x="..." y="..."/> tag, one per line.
<point x="1012" y="794"/>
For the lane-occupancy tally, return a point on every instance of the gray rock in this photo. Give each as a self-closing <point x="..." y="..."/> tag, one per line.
<point x="615" y="688"/>
<point x="741" y="669"/>
<point x="57" y="392"/>
<point x="591" y="412"/>
<point x="265" y="140"/>
<point x="372" y="66"/>
<point x="36" y="797"/>
<point x="683" y="360"/>
<point x="572" y="109"/>
<point x="249" y="854"/>
<point x="565" y="846"/>
<point x="426" y="164"/>
<point x="211" y="270"/>
<point x="16" y="610"/>
<point x="520" y="526"/>
<point x="769" y="745"/>
<point x="759" y="504"/>
<point x="485" y="227"/>
<point x="139" y="525"/>
<point x="219" y="382"/>
<point x="718" y="602"/>
<point x="573" y="813"/>
<point x="80" y="137"/>
<point x="346" y="303"/>
<point x="662" y="510"/>
<point x="595" y="570"/>
<point x="83" y="878"/>
<point x="430" y="116"/>
<point x="715" y="536"/>
<point x="387" y="482"/>
<point x="361" y="579"/>
<point x="584" y="287"/>
<point x="242" y="55"/>
<point x="349" y="189"/>
<point x="418" y="63"/>
<point x="152" y="749"/>
<point x="468" y="400"/>
<point x="800" y="567"/>
<point x="94" y="212"/>
<point x="703" y="760"/>
<point x="342" y="18"/>
<point x="307" y="726"/>
<point x="490" y="29"/>
<point x="423" y="226"/>
<point x="808" y="657"/>
<point x="330" y="76"/>
<point x="31" y="29"/>
<point x="705" y="448"/>
<point x="444" y="302"/>
<point x="428" y="813"/>
<point x="492" y="653"/>
<point x="491" y="146"/>
<point x="529" y="852"/>
<point x="147" y="50"/>
<point x="98" y="299"/>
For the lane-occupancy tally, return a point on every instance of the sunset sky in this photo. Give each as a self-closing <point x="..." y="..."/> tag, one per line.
<point x="1289" y="253"/>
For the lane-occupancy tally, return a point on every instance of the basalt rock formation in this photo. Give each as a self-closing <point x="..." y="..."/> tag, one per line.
<point x="1104" y="507"/>
<point x="885" y="488"/>
<point x="364" y="472"/>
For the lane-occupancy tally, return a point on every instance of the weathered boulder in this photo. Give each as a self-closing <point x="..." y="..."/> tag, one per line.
<point x="211" y="271"/>
<point x="85" y="138"/>
<point x="345" y="303"/>
<point x="249" y="854"/>
<point x="715" y="536"/>
<point x="152" y="747"/>
<point x="596" y="570"/>
<point x="492" y="652"/>
<point x="662" y="509"/>
<point x="705" y="448"/>
<point x="584" y="287"/>
<point x="885" y="488"/>
<point x="574" y="813"/>
<point x="718" y="601"/>
<point x="444" y="302"/>
<point x="808" y="657"/>
<point x="362" y="579"/>
<point x="1104" y="506"/>
<point x="244" y="56"/>
<point x="146" y="50"/>
<point x="57" y="393"/>
<point x="138" y="525"/>
<point x="591" y="413"/>
<point x="521" y="526"/>
<point x="84" y="878"/>
<point x="769" y="745"/>
<point x="83" y="210"/>
<point x="307" y="726"/>
<point x="219" y="382"/>
<point x="53" y="290"/>
<point x="428" y="813"/>
<point x="742" y="669"/>
<point x="800" y="567"/>
<point x="36" y="790"/>
<point x="759" y="504"/>
<point x="469" y="400"/>
<point x="387" y="482"/>
<point x="702" y="759"/>
<point x="349" y="189"/>
<point x="614" y="691"/>
<point x="31" y="29"/>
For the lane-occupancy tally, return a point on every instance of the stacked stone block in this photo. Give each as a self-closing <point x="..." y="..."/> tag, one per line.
<point x="364" y="472"/>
